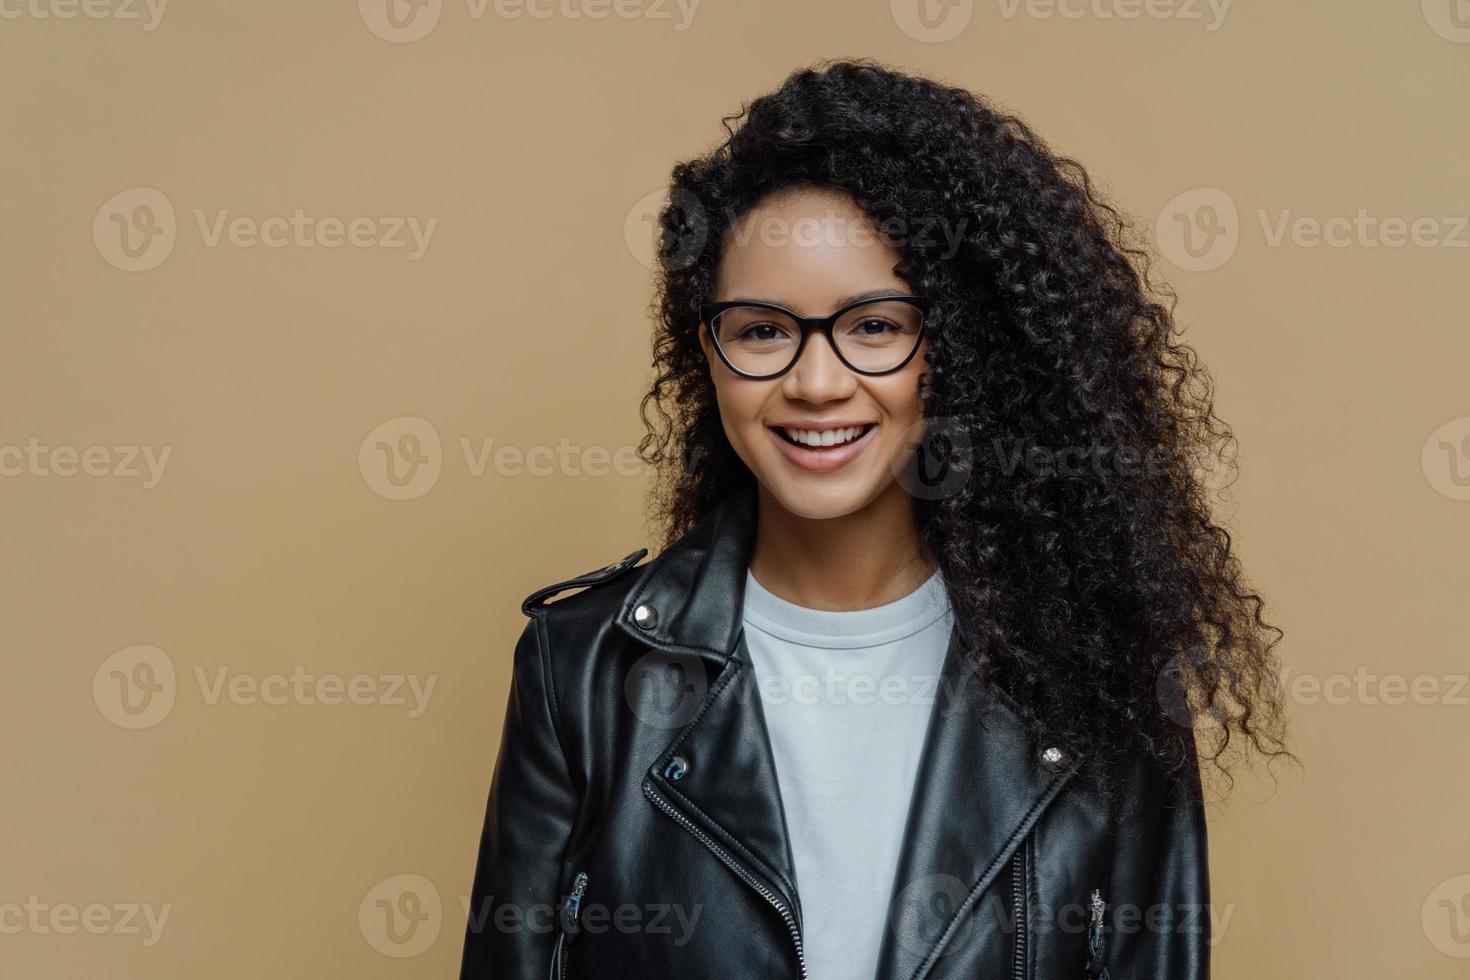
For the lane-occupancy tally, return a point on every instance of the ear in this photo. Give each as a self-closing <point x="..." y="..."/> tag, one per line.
<point x="709" y="354"/>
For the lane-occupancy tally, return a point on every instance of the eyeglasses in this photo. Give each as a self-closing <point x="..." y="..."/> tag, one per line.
<point x="763" y="340"/>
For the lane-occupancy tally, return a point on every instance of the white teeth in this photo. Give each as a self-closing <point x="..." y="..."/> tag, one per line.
<point x="829" y="437"/>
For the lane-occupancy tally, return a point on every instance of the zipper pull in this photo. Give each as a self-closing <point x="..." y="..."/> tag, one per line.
<point x="1095" y="936"/>
<point x="571" y="909"/>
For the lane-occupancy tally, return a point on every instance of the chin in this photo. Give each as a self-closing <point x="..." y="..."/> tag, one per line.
<point x="818" y="500"/>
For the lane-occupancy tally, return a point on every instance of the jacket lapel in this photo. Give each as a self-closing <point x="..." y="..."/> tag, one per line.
<point x="727" y="783"/>
<point x="978" y="791"/>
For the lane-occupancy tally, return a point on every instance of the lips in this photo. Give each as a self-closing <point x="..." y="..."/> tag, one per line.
<point x="827" y="457"/>
<point x="822" y="438"/>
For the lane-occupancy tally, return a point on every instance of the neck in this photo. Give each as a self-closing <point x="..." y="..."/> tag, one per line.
<point x="859" y="560"/>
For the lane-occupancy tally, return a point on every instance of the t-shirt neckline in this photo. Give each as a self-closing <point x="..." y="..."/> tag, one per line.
<point x="848" y="628"/>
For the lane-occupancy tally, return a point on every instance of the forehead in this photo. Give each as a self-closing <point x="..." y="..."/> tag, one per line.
<point x="807" y="249"/>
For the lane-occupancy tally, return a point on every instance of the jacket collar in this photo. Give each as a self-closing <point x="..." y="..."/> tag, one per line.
<point x="981" y="785"/>
<point x="696" y="588"/>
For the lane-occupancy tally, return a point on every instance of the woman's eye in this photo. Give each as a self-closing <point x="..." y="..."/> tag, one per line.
<point x="756" y="332"/>
<point x="873" y="325"/>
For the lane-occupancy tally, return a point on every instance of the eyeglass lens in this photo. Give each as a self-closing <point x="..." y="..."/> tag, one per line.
<point x="876" y="336"/>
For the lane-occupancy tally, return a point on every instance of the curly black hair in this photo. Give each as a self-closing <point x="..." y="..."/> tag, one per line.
<point x="1102" y="599"/>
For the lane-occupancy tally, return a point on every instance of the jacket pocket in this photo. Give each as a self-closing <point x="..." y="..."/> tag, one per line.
<point x="567" y="927"/>
<point x="1096" y="948"/>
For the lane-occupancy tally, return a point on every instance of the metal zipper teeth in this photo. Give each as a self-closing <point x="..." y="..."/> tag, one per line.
<point x="1018" y="906"/>
<point x="744" y="875"/>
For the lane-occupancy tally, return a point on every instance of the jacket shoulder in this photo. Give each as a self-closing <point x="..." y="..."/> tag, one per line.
<point x="537" y="600"/>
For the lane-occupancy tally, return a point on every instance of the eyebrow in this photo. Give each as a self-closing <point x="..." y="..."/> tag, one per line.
<point x="844" y="301"/>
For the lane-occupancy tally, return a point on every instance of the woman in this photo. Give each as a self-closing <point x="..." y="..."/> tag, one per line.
<point x="913" y="688"/>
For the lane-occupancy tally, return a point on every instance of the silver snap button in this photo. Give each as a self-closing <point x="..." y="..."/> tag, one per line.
<point x="676" y="767"/>
<point x="645" y="616"/>
<point x="1054" y="759"/>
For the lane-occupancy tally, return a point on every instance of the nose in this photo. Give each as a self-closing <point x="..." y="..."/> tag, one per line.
<point x="818" y="375"/>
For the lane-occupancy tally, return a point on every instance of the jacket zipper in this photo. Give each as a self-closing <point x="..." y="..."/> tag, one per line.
<point x="730" y="862"/>
<point x="571" y="909"/>
<point x="1018" y="907"/>
<point x="1095" y="966"/>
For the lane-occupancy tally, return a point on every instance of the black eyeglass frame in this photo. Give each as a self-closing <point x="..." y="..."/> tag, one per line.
<point x="809" y="324"/>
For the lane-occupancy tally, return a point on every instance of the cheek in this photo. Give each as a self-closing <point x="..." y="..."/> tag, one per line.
<point x="901" y="398"/>
<point x="739" y="412"/>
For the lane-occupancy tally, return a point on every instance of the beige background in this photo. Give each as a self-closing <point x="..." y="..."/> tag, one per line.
<point x="272" y="544"/>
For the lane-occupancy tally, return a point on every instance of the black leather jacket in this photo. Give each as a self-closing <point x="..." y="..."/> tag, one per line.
<point x="635" y="829"/>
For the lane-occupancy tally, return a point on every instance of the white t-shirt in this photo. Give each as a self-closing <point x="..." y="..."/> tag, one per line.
<point x="847" y="698"/>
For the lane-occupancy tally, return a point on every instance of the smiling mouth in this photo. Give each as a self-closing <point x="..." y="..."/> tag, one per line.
<point x="827" y="439"/>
